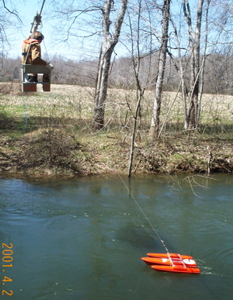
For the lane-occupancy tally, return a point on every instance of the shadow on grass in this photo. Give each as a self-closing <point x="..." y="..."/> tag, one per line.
<point x="43" y="146"/>
<point x="71" y="147"/>
<point x="10" y="123"/>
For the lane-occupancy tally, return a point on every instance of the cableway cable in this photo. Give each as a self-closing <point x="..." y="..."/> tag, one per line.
<point x="42" y="7"/>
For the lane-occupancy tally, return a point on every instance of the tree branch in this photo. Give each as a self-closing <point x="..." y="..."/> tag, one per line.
<point x="11" y="12"/>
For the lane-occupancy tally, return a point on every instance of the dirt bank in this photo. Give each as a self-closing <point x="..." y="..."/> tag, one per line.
<point x="58" y="152"/>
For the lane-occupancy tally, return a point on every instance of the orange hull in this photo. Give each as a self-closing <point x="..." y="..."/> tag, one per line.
<point x="176" y="269"/>
<point x="172" y="255"/>
<point x="167" y="262"/>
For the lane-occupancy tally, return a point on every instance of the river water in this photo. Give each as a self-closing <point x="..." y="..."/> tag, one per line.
<point x="84" y="238"/>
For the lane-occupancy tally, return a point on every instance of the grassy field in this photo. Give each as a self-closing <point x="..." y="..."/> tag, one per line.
<point x="48" y="134"/>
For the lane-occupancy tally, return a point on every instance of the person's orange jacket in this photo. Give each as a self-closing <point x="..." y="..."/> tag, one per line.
<point x="34" y="57"/>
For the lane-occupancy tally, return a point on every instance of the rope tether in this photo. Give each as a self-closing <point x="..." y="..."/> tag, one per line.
<point x="25" y="111"/>
<point x="146" y="217"/>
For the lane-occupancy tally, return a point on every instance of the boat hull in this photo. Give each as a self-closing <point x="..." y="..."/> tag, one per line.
<point x="176" y="269"/>
<point x="167" y="262"/>
<point x="172" y="255"/>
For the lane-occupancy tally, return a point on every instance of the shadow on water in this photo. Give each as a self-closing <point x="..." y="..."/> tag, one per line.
<point x="136" y="237"/>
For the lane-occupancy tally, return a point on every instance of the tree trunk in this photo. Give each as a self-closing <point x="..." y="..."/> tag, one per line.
<point x="101" y="88"/>
<point x="194" y="41"/>
<point x="109" y="42"/>
<point x="203" y="63"/>
<point x="184" y="89"/>
<point x="134" y="132"/>
<point x="154" y="129"/>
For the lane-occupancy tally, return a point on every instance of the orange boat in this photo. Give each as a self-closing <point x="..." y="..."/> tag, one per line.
<point x="172" y="262"/>
<point x="169" y="262"/>
<point x="176" y="269"/>
<point x="172" y="255"/>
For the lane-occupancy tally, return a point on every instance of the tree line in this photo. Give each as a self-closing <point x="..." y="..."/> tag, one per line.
<point x="218" y="70"/>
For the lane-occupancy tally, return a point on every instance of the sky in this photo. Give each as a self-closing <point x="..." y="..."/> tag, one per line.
<point x="75" y="49"/>
<point x="27" y="9"/>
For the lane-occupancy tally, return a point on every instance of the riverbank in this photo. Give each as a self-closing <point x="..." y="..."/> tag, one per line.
<point x="51" y="135"/>
<point x="57" y="152"/>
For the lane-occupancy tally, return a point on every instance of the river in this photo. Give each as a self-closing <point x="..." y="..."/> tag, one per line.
<point x="83" y="239"/>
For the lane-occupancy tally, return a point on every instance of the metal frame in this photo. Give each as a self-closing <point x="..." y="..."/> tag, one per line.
<point x="34" y="69"/>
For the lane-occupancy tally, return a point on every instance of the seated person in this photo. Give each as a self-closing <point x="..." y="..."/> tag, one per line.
<point x="31" y="54"/>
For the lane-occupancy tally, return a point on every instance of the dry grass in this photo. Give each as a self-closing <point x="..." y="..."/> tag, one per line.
<point x="74" y="102"/>
<point x="57" y="135"/>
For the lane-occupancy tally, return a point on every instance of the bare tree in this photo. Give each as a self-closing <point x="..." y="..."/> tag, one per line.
<point x="194" y="64"/>
<point x="136" y="61"/>
<point x="9" y="21"/>
<point x="109" y="41"/>
<point x="161" y="66"/>
<point x="202" y="72"/>
<point x="194" y="44"/>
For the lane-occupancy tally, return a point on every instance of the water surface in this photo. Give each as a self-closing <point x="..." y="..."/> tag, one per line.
<point x="83" y="238"/>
